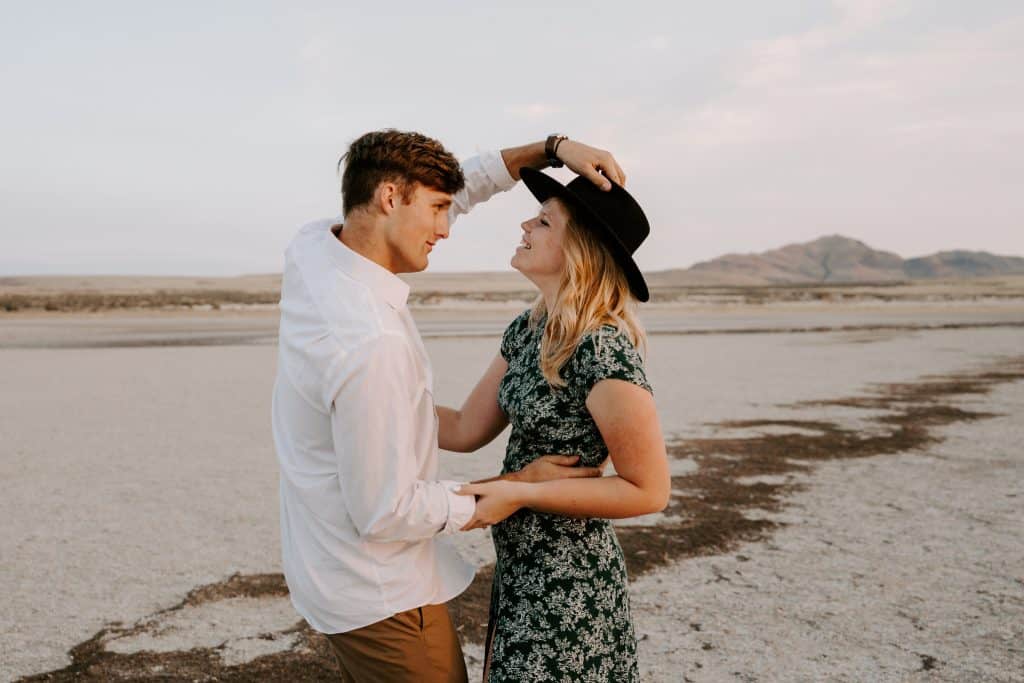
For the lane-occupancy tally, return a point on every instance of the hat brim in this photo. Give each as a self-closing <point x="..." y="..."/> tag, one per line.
<point x="544" y="187"/>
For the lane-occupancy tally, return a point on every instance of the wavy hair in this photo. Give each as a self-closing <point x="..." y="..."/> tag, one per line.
<point x="391" y="155"/>
<point x="593" y="292"/>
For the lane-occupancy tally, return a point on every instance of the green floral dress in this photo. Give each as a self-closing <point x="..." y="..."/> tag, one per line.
<point x="559" y="602"/>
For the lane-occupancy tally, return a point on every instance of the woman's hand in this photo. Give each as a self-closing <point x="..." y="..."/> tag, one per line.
<point x="495" y="500"/>
<point x="550" y="467"/>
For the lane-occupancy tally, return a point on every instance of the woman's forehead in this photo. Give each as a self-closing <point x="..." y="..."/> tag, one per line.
<point x="554" y="206"/>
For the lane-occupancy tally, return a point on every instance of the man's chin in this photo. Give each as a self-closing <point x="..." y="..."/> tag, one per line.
<point x="413" y="267"/>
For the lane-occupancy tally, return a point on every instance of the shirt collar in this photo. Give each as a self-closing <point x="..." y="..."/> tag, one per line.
<point x="379" y="279"/>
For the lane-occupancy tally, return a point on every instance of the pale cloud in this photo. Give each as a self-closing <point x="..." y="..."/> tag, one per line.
<point x="719" y="126"/>
<point x="535" y="111"/>
<point x="909" y="142"/>
<point x="658" y="43"/>
<point x="861" y="13"/>
<point x="797" y="87"/>
<point x="786" y="58"/>
<point x="896" y="122"/>
<point x="315" y="49"/>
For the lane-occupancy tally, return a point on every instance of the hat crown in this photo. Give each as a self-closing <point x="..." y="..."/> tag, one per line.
<point x="616" y="208"/>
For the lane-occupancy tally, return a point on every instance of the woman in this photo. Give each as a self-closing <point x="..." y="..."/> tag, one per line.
<point x="570" y="380"/>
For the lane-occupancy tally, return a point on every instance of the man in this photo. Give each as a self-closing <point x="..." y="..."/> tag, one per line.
<point x="354" y="421"/>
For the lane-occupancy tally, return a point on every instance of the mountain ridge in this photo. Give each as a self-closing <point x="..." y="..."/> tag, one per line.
<point x="837" y="259"/>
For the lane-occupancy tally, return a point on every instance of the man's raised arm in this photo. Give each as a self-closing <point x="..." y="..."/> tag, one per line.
<point x="590" y="162"/>
<point x="493" y="172"/>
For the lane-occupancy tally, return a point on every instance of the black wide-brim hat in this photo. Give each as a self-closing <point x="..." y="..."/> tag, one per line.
<point x="613" y="215"/>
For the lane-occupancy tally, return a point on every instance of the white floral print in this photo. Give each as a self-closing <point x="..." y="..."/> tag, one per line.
<point x="559" y="603"/>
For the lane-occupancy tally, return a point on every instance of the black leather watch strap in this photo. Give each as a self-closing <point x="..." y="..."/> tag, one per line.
<point x="551" y="149"/>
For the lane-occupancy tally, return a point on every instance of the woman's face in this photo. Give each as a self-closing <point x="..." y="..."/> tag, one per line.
<point x="540" y="256"/>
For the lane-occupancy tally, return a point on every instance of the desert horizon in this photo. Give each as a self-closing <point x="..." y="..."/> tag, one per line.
<point x="832" y="260"/>
<point x="85" y="294"/>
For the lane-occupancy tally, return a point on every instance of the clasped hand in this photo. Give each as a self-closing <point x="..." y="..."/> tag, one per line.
<point x="497" y="499"/>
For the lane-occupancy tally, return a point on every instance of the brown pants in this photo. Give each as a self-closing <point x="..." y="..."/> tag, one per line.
<point x="418" y="645"/>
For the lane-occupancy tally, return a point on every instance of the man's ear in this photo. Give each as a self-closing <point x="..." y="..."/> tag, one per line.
<point x="387" y="197"/>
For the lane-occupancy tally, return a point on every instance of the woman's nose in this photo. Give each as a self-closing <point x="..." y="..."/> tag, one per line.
<point x="527" y="225"/>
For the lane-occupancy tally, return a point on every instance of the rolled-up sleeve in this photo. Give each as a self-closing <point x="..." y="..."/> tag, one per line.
<point x="486" y="175"/>
<point x="373" y="422"/>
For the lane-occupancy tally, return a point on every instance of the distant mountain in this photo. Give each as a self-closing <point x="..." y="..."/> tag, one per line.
<point x="837" y="259"/>
<point x="957" y="264"/>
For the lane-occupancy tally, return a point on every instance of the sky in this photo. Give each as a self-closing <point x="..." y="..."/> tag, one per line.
<point x="195" y="138"/>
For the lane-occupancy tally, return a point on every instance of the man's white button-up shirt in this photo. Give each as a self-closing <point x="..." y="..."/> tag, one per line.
<point x="356" y="435"/>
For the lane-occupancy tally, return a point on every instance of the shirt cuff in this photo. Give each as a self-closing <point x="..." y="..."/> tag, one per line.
<point x="495" y="168"/>
<point x="460" y="508"/>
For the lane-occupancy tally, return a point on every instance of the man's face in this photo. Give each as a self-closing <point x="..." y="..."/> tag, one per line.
<point x="416" y="227"/>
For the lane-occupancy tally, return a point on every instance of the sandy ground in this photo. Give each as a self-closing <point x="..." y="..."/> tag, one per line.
<point x="127" y="284"/>
<point x="130" y="284"/>
<point x="906" y="567"/>
<point x="439" y="291"/>
<point x="247" y="325"/>
<point x="131" y="476"/>
<point x="503" y="281"/>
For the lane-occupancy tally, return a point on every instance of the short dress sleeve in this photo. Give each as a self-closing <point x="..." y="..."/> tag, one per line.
<point x="514" y="335"/>
<point x="607" y="353"/>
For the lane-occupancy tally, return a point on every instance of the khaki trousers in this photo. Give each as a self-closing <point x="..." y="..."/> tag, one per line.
<point x="416" y="646"/>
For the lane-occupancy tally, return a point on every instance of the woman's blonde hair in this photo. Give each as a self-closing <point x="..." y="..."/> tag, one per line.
<point x="593" y="292"/>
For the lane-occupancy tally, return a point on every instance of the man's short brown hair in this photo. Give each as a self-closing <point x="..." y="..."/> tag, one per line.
<point x="395" y="156"/>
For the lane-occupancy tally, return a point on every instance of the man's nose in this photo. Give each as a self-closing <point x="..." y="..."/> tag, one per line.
<point x="443" y="228"/>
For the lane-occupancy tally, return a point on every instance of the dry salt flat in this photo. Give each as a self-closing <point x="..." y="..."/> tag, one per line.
<point x="136" y="482"/>
<point x="903" y="567"/>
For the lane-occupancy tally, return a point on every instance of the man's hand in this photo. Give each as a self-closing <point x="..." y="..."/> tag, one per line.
<point x="495" y="500"/>
<point x="549" y="467"/>
<point x="591" y="162"/>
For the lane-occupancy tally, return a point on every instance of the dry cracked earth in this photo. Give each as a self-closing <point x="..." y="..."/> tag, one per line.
<point x="243" y="629"/>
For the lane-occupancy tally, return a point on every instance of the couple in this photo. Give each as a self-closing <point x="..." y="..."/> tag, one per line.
<point x="363" y="515"/>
